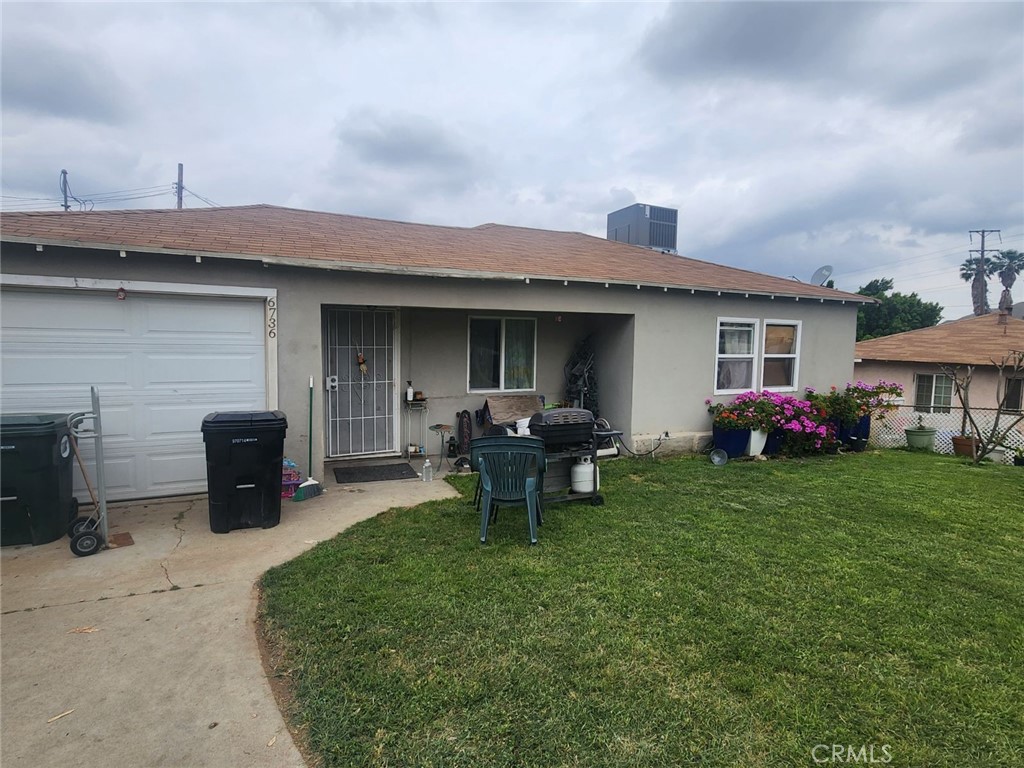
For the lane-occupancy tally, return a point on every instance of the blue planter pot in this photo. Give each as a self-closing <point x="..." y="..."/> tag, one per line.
<point x="732" y="441"/>
<point x="860" y="433"/>
<point x="774" y="442"/>
<point x="854" y="437"/>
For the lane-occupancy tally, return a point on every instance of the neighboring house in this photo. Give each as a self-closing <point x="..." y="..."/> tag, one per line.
<point x="177" y="313"/>
<point x="914" y="359"/>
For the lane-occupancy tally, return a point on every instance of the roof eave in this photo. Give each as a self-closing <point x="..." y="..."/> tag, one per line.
<point x="397" y="269"/>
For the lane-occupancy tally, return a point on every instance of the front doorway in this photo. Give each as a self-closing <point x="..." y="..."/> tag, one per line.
<point x="360" y="404"/>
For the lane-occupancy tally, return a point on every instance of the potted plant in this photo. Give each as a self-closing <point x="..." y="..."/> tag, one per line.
<point x="1018" y="457"/>
<point x="804" y="426"/>
<point x="730" y="430"/>
<point x="851" y="409"/>
<point x="873" y="400"/>
<point x="976" y="442"/>
<point x="742" y="426"/>
<point x="758" y="410"/>
<point x="920" y="437"/>
<point x="964" y="444"/>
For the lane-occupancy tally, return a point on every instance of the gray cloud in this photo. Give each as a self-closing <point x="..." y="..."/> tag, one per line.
<point x="764" y="40"/>
<point x="994" y="129"/>
<point x="897" y="53"/>
<point x="401" y="141"/>
<point x="419" y="152"/>
<point x="51" y="80"/>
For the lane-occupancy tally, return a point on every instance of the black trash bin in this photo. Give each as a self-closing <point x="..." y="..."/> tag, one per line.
<point x="244" y="451"/>
<point x="35" y="478"/>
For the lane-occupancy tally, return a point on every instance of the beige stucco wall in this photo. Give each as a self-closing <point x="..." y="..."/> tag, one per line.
<point x="983" y="383"/>
<point x="655" y="349"/>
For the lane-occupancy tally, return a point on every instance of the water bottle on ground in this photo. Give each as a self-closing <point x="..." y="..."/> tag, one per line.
<point x="428" y="471"/>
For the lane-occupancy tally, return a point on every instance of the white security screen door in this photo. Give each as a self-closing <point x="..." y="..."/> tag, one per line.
<point x="359" y="348"/>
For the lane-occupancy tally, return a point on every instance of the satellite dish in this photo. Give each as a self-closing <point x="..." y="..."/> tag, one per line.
<point x="719" y="457"/>
<point x="821" y="274"/>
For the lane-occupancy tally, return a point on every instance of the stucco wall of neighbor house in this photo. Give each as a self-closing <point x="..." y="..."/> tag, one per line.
<point x="983" y="383"/>
<point x="655" y="349"/>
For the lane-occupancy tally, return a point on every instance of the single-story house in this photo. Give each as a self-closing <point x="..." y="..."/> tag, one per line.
<point x="177" y="313"/>
<point x="914" y="359"/>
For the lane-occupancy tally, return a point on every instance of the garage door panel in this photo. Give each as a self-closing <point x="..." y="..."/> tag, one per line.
<point x="170" y="422"/>
<point x="198" y="321"/>
<point x="167" y="470"/>
<point x="203" y="370"/>
<point x="26" y="315"/>
<point x="30" y="368"/>
<point x="175" y="360"/>
<point x="120" y="473"/>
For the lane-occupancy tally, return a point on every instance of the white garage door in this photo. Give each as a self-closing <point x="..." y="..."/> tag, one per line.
<point x="160" y="362"/>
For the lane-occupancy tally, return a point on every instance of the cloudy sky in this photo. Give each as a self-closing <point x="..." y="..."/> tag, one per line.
<point x="869" y="136"/>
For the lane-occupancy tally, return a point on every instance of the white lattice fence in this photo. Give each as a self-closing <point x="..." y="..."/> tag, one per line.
<point x="888" y="432"/>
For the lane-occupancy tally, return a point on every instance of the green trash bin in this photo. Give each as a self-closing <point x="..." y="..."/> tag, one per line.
<point x="35" y="478"/>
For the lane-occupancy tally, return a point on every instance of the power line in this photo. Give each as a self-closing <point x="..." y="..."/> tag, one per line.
<point x="205" y="200"/>
<point x="15" y="197"/>
<point x="95" y="195"/>
<point x="911" y="259"/>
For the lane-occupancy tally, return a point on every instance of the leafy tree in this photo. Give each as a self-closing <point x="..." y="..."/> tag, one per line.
<point x="894" y="312"/>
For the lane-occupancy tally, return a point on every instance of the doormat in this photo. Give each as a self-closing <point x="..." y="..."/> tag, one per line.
<point x="373" y="473"/>
<point x="123" y="539"/>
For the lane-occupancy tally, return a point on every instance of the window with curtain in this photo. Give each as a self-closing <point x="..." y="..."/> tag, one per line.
<point x="933" y="393"/>
<point x="502" y="353"/>
<point x="734" y="361"/>
<point x="1014" y="394"/>
<point x="781" y="345"/>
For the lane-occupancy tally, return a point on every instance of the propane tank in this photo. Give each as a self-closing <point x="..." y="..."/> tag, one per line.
<point x="581" y="476"/>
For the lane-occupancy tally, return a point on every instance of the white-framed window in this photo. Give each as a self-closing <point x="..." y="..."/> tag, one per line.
<point x="735" y="355"/>
<point x="756" y="354"/>
<point x="933" y="393"/>
<point x="502" y="354"/>
<point x="781" y="355"/>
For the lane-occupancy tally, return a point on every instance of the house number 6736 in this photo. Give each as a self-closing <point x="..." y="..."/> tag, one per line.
<point x="272" y="318"/>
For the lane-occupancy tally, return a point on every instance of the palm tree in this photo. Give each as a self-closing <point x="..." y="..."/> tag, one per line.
<point x="970" y="272"/>
<point x="1008" y="264"/>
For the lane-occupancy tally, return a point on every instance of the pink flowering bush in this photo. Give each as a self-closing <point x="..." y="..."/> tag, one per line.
<point x="804" y="427"/>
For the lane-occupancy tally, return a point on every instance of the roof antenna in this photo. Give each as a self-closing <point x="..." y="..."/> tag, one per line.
<point x="821" y="275"/>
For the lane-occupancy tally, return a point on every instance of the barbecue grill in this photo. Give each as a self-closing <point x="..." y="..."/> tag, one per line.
<point x="563" y="427"/>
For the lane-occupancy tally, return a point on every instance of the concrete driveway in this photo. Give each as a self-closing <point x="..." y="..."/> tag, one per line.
<point x="153" y="645"/>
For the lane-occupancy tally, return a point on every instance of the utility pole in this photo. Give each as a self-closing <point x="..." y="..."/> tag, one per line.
<point x="64" y="188"/>
<point x="980" y="276"/>
<point x="181" y="177"/>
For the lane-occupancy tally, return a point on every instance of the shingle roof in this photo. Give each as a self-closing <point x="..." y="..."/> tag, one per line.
<point x="969" y="341"/>
<point x="312" y="239"/>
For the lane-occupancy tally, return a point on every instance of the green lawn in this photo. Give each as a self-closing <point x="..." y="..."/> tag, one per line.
<point x="705" y="616"/>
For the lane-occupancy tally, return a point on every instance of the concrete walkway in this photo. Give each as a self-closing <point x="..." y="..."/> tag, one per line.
<point x="153" y="645"/>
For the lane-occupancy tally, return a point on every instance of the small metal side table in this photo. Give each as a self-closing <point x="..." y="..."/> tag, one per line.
<point x="442" y="430"/>
<point x="419" y="408"/>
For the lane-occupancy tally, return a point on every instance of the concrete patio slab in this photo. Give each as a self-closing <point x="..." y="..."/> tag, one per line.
<point x="153" y="645"/>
